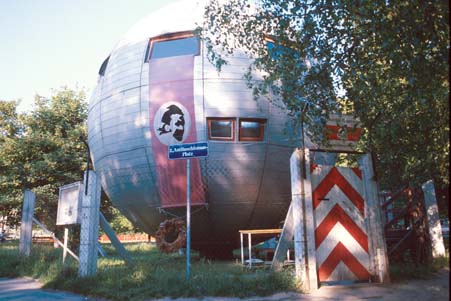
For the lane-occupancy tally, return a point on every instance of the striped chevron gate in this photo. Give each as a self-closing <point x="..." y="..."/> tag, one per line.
<point x="341" y="235"/>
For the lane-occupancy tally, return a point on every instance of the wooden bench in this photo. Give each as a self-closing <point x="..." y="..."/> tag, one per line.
<point x="267" y="232"/>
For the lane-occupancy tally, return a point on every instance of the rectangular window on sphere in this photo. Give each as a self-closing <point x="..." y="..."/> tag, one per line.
<point x="221" y="129"/>
<point x="174" y="45"/>
<point x="251" y="129"/>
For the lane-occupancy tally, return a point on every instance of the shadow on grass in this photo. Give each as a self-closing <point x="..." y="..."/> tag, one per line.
<point x="403" y="271"/>
<point x="154" y="275"/>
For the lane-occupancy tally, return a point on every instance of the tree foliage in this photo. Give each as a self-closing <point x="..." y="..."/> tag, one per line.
<point x="41" y="150"/>
<point x="271" y="35"/>
<point x="387" y="60"/>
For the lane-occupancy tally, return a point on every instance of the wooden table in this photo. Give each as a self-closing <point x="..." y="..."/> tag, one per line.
<point x="249" y="240"/>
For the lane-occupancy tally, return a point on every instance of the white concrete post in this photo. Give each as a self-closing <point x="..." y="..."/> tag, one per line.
<point x="433" y="218"/>
<point x="249" y="246"/>
<point x="297" y="211"/>
<point x="90" y="206"/>
<point x="66" y="238"/>
<point x="376" y="236"/>
<point x="309" y="226"/>
<point x="242" y="249"/>
<point x="26" y="226"/>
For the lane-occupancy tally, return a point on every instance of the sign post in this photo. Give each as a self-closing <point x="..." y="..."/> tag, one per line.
<point x="68" y="213"/>
<point x="188" y="218"/>
<point x="187" y="151"/>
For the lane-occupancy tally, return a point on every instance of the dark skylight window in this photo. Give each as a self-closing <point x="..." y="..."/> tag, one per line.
<point x="103" y="66"/>
<point x="174" y="47"/>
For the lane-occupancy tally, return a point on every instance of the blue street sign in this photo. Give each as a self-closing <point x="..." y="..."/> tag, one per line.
<point x="188" y="150"/>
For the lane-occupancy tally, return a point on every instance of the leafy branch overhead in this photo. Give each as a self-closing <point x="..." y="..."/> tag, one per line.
<point x="282" y="63"/>
<point x="386" y="60"/>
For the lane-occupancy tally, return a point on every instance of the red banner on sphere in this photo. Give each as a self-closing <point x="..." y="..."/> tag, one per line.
<point x="173" y="121"/>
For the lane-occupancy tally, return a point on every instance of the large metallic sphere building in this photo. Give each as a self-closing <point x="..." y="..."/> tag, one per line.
<point x="157" y="88"/>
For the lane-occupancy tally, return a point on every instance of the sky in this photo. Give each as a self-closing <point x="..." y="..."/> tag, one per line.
<point x="48" y="44"/>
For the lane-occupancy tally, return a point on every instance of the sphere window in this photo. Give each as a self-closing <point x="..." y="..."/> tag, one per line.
<point x="221" y="129"/>
<point x="103" y="66"/>
<point x="252" y="129"/>
<point x="174" y="46"/>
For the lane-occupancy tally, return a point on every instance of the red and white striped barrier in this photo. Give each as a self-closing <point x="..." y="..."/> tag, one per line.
<point x="341" y="237"/>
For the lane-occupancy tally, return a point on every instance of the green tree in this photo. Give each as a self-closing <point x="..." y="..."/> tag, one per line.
<point x="120" y="223"/>
<point x="41" y="150"/>
<point x="387" y="60"/>
<point x="10" y="127"/>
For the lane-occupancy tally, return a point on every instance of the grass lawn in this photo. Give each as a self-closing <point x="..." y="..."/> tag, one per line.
<point x="153" y="275"/>
<point x="156" y="275"/>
